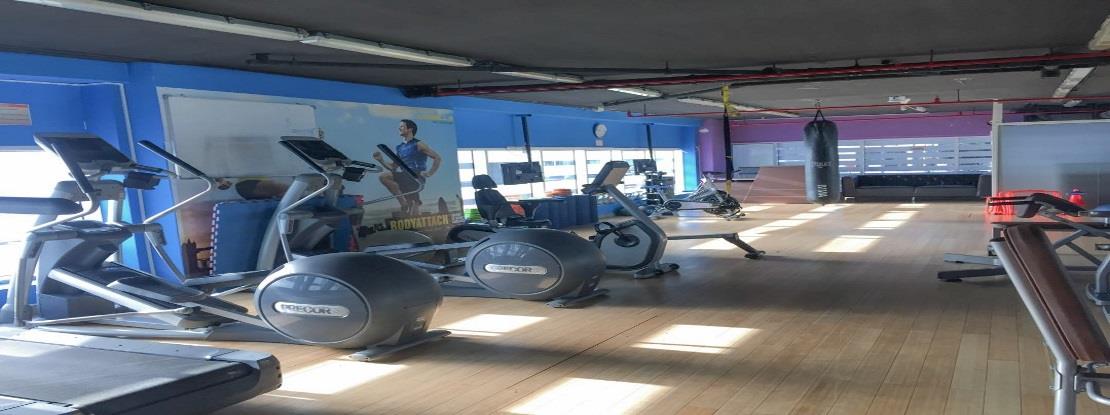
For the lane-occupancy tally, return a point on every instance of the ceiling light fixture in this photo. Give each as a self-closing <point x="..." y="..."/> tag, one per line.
<point x="1101" y="40"/>
<point x="1074" y="78"/>
<point x="225" y="24"/>
<point x="741" y="107"/>
<point x="382" y="49"/>
<point x="566" y="79"/>
<point x="186" y="18"/>
<point x="643" y="92"/>
<point x="177" y="17"/>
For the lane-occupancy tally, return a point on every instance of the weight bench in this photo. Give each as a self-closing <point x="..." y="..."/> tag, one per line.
<point x="1050" y="207"/>
<point x="1076" y="342"/>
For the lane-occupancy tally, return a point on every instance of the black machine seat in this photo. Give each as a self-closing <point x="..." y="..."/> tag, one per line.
<point x="493" y="206"/>
<point x="38" y="206"/>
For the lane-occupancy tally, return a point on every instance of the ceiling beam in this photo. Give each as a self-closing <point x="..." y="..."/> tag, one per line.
<point x="1091" y="58"/>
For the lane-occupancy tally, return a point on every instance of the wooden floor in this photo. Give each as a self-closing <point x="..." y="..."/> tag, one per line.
<point x="843" y="316"/>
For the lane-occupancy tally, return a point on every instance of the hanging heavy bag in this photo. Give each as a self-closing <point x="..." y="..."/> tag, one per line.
<point x="823" y="161"/>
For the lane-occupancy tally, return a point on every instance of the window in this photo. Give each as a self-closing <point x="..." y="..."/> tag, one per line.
<point x="890" y="155"/>
<point x="563" y="168"/>
<point x="26" y="172"/>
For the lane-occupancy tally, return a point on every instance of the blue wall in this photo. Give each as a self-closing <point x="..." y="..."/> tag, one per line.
<point x="53" y="108"/>
<point x="480" y="122"/>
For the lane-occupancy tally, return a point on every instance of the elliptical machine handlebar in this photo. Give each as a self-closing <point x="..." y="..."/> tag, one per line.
<point x="172" y="159"/>
<point x="161" y="152"/>
<point x="153" y="232"/>
<point x="83" y="184"/>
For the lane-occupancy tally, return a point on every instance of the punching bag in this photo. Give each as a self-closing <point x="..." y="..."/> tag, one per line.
<point x="822" y="162"/>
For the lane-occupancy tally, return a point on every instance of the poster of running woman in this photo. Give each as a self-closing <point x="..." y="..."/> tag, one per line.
<point x="214" y="129"/>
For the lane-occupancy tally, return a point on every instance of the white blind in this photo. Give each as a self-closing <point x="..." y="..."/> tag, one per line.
<point x="890" y="155"/>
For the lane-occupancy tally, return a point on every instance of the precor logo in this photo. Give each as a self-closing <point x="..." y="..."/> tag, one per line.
<point x="315" y="310"/>
<point x="516" y="269"/>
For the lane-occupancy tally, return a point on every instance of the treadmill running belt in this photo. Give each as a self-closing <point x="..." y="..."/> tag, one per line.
<point x="103" y="381"/>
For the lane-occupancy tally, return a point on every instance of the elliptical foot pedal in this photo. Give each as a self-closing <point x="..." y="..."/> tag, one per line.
<point x="377" y="352"/>
<point x="652" y="272"/>
<point x="755" y="255"/>
<point x="569" y="301"/>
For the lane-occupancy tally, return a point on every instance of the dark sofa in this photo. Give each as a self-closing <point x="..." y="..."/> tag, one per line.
<point x="915" y="186"/>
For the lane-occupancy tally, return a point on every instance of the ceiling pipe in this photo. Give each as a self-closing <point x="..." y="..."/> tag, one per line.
<point x="868" y="106"/>
<point x="943" y="72"/>
<point x="486" y="66"/>
<point x="880" y="117"/>
<point x="783" y="74"/>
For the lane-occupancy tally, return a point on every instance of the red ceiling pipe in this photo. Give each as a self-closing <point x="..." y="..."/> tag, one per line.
<point x="884" y="105"/>
<point x="698" y="79"/>
<point x="880" y="117"/>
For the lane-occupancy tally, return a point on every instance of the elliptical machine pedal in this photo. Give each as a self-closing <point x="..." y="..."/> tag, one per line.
<point x="375" y="353"/>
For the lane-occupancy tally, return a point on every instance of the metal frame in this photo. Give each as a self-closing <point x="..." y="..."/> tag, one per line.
<point x="1069" y="378"/>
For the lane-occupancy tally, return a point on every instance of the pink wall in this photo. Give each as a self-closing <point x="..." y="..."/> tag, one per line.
<point x="711" y="146"/>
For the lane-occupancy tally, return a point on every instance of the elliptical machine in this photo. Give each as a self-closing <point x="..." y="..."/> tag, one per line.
<point x="638" y="244"/>
<point x="328" y="300"/>
<point x="525" y="264"/>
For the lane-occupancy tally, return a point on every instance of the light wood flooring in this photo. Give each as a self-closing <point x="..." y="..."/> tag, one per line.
<point x="843" y="316"/>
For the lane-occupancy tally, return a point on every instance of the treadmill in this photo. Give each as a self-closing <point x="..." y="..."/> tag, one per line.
<point x="60" y="373"/>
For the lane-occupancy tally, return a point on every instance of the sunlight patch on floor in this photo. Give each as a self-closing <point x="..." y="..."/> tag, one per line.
<point x="490" y="325"/>
<point x="590" y="396"/>
<point x="882" y="224"/>
<point x="810" y="215"/>
<point x="830" y="207"/>
<point x="897" y="215"/>
<point x="849" y="243"/>
<point x="700" y="220"/>
<point x="696" y="338"/>
<point x="757" y="208"/>
<point x="335" y="376"/>
<point x="720" y="244"/>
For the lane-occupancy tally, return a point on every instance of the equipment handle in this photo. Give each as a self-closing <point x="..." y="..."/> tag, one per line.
<point x="604" y="227"/>
<point x="303" y="156"/>
<point x="364" y="164"/>
<point x="78" y="174"/>
<point x="161" y="152"/>
<point x="397" y="160"/>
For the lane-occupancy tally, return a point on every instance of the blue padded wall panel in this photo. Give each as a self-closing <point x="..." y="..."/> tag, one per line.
<point x="238" y="227"/>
